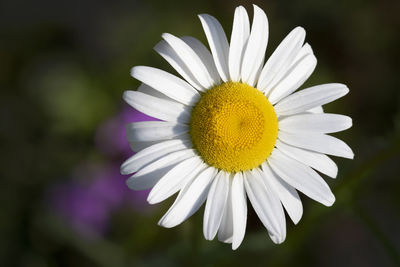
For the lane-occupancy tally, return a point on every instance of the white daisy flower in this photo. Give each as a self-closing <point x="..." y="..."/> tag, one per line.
<point x="234" y="128"/>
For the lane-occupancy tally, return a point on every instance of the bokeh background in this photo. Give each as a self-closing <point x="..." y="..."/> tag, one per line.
<point x="63" y="68"/>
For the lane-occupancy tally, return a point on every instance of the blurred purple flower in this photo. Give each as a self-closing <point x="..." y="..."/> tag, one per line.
<point x="92" y="196"/>
<point x="77" y="207"/>
<point x="95" y="192"/>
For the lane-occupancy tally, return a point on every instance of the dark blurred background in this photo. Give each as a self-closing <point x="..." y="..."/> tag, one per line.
<point x="63" y="68"/>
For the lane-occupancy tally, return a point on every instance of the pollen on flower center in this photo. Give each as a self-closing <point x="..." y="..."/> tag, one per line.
<point x="234" y="127"/>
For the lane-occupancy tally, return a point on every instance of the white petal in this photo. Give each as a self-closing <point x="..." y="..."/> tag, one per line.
<point x="205" y="56"/>
<point x="286" y="193"/>
<point x="189" y="200"/>
<point x="144" y="88"/>
<point x="281" y="59"/>
<point x="218" y="43"/>
<point x="216" y="202"/>
<point x="154" y="130"/>
<point x="302" y="177"/>
<point x="168" y="53"/>
<point x="225" y="231"/>
<point x="149" y="175"/>
<point x="294" y="78"/>
<point x="138" y="146"/>
<point x="318" y="142"/>
<point x="166" y="83"/>
<point x="304" y="51"/>
<point x="175" y="179"/>
<point x="266" y="204"/>
<point x="158" y="108"/>
<point x="318" y="109"/>
<point x="239" y="211"/>
<point x="253" y="57"/>
<point x="191" y="60"/>
<point x="310" y="98"/>
<point x="318" y="161"/>
<point x="240" y="34"/>
<point x="152" y="153"/>
<point x="315" y="123"/>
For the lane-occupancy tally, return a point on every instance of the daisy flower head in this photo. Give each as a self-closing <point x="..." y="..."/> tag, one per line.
<point x="234" y="128"/>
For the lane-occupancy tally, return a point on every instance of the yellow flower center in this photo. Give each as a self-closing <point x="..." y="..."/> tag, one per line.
<point x="234" y="127"/>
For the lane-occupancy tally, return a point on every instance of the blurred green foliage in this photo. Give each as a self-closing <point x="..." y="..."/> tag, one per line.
<point x="63" y="68"/>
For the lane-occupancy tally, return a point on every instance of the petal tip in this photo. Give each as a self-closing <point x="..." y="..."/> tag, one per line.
<point x="259" y="12"/>
<point x="350" y="153"/>
<point x="330" y="201"/>
<point x="344" y="88"/>
<point x="202" y="16"/>
<point x="151" y="199"/>
<point x="235" y="245"/>
<point x="129" y="184"/>
<point x="276" y="239"/>
<point x="296" y="219"/>
<point x="240" y="8"/>
<point x="300" y="29"/>
<point x="159" y="46"/>
<point x="334" y="173"/>
<point x="134" y="71"/>
<point x="350" y="122"/>
<point x="258" y="9"/>
<point x="207" y="235"/>
<point x="164" y="223"/>
<point x="126" y="95"/>
<point x="123" y="170"/>
<point x="166" y="35"/>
